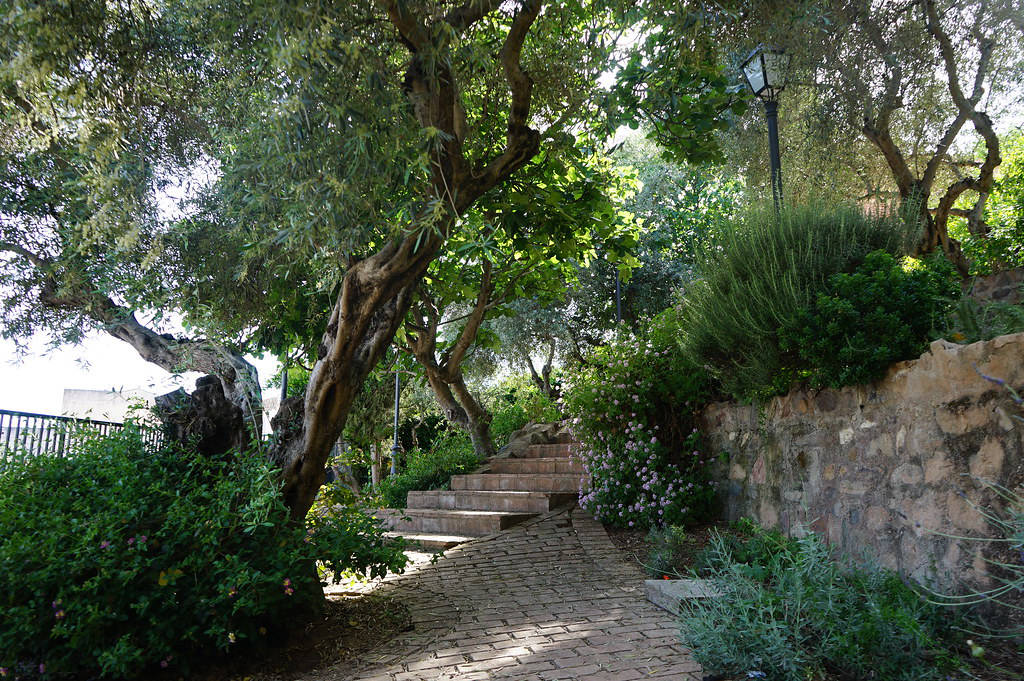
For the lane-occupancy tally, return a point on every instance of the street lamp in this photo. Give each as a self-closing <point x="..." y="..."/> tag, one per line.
<point x="764" y="70"/>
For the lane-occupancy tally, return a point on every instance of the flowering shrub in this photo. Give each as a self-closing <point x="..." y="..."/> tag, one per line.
<point x="121" y="559"/>
<point x="632" y="409"/>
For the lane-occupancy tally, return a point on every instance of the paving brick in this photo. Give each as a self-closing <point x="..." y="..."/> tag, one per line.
<point x="547" y="600"/>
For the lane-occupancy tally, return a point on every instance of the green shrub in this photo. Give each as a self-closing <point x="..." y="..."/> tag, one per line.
<point x="791" y="612"/>
<point x="632" y="408"/>
<point x="515" y="402"/>
<point x="762" y="273"/>
<point x="667" y="545"/>
<point x="122" y="559"/>
<point x="452" y="454"/>
<point x="971" y="321"/>
<point x="883" y="312"/>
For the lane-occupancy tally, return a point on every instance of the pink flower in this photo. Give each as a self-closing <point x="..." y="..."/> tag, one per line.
<point x="104" y="544"/>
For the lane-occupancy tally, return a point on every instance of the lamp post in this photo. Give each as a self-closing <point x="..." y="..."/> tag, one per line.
<point x="396" y="448"/>
<point x="763" y="71"/>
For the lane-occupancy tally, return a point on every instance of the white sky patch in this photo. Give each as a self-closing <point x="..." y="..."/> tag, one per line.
<point x="36" y="381"/>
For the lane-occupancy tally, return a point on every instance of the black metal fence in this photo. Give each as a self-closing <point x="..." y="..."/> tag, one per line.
<point x="23" y="434"/>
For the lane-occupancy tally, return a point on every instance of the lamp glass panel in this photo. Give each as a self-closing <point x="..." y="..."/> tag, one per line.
<point x="774" y="69"/>
<point x="754" y="72"/>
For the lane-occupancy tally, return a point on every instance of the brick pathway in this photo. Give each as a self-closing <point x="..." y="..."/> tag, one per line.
<point x="548" y="600"/>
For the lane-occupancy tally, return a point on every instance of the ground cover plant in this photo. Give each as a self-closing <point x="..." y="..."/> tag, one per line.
<point x="790" y="612"/>
<point x="632" y="407"/>
<point x="123" y="559"/>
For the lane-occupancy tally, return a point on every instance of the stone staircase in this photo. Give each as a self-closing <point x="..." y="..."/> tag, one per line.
<point x="504" y="492"/>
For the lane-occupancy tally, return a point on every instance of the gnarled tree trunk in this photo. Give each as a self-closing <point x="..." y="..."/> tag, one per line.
<point x="444" y="375"/>
<point x="222" y="416"/>
<point x="376" y="292"/>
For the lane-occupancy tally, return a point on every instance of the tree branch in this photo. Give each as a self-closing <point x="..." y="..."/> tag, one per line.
<point x="35" y="260"/>
<point x="451" y="360"/>
<point x="522" y="142"/>
<point x="409" y="27"/>
<point x="466" y="15"/>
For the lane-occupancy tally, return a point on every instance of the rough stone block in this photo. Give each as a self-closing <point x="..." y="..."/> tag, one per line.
<point x="669" y="594"/>
<point x="907" y="474"/>
<point x="937" y="468"/>
<point x="988" y="462"/>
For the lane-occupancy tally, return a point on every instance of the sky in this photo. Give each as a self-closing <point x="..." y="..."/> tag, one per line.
<point x="35" y="382"/>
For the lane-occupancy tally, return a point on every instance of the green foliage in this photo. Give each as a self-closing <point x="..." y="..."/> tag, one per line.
<point x="515" y="402"/>
<point x="972" y="321"/>
<point x="791" y="612"/>
<point x="883" y="312"/>
<point x="632" y="408"/>
<point x="452" y="454"/>
<point x="675" y="85"/>
<point x="1003" y="246"/>
<point x="668" y="544"/>
<point x="122" y="559"/>
<point x="763" y="273"/>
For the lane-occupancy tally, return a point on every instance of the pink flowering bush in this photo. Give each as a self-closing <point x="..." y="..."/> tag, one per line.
<point x="121" y="560"/>
<point x="632" y="408"/>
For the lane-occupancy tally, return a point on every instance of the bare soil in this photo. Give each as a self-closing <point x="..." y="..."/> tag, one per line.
<point x="346" y="629"/>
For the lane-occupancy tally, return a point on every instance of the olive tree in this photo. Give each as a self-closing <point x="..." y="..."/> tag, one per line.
<point x="336" y="148"/>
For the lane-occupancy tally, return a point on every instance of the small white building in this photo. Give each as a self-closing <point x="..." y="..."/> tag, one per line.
<point x="117" y="405"/>
<point x="106" y="405"/>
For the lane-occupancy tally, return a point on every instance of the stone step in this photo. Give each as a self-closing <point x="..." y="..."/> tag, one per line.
<point x="448" y="522"/>
<point x="537" y="465"/>
<point x="488" y="500"/>
<point x="546" y="451"/>
<point x="522" y="482"/>
<point x="429" y="542"/>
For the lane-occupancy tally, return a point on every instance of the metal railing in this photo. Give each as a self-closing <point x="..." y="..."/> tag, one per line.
<point x="24" y="434"/>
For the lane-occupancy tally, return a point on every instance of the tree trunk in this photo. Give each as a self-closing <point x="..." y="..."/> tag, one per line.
<point x="228" y="415"/>
<point x="375" y="296"/>
<point x="376" y="292"/>
<point x="375" y="465"/>
<point x="461" y="408"/>
<point x="542" y="380"/>
<point x="478" y="420"/>
<point x="204" y="420"/>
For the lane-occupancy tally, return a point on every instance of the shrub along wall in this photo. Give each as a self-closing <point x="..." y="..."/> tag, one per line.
<point x="888" y="467"/>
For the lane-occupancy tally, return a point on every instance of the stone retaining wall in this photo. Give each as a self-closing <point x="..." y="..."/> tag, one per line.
<point x="889" y="467"/>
